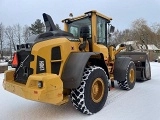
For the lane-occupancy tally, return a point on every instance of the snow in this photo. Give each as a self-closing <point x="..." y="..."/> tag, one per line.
<point x="141" y="103"/>
<point x="3" y="64"/>
<point x="152" y="47"/>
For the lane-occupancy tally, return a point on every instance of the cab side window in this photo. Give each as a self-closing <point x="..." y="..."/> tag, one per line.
<point x="101" y="30"/>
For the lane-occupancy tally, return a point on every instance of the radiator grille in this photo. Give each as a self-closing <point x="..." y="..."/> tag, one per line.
<point x="55" y="60"/>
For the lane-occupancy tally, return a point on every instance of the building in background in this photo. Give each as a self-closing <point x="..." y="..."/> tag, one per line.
<point x="151" y="49"/>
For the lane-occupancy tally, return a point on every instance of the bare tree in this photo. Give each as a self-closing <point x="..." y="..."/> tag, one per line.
<point x="1" y="38"/>
<point x="115" y="39"/>
<point x="127" y="35"/>
<point x="26" y="33"/>
<point x="139" y="32"/>
<point x="156" y="29"/>
<point x="17" y="33"/>
<point x="9" y="32"/>
<point x="122" y="36"/>
<point x="142" y="32"/>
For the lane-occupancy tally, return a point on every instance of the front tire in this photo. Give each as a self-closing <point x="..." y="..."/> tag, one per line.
<point x="130" y="78"/>
<point x="91" y="95"/>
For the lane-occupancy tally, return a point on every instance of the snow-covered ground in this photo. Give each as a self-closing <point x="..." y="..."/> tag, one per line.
<point x="3" y="63"/>
<point x="141" y="103"/>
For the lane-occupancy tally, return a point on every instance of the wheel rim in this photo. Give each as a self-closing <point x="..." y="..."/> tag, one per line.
<point x="147" y="70"/>
<point x="97" y="90"/>
<point x="131" y="75"/>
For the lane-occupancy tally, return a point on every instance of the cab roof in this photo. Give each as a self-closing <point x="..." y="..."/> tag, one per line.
<point x="87" y="13"/>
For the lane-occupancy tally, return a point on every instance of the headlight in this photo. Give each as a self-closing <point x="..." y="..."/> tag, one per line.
<point x="88" y="14"/>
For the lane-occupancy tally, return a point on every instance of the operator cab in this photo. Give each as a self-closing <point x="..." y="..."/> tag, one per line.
<point x="91" y="19"/>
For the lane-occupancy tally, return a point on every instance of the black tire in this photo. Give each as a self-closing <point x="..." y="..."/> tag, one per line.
<point x="147" y="71"/>
<point x="130" y="78"/>
<point x="91" y="95"/>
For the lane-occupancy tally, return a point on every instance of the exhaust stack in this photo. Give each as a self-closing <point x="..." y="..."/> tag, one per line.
<point x="50" y="26"/>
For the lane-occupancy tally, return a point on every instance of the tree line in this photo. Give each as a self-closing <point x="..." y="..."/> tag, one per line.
<point x="139" y="31"/>
<point x="10" y="36"/>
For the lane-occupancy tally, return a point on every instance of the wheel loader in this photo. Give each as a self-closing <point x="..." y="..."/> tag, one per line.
<point x="76" y="64"/>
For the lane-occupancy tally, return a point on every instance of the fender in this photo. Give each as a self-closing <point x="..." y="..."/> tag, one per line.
<point x="120" y="66"/>
<point x="74" y="67"/>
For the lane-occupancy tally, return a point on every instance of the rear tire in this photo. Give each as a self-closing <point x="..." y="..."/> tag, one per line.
<point x="130" y="78"/>
<point x="91" y="95"/>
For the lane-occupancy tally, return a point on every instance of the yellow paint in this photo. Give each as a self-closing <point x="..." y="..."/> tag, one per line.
<point x="43" y="49"/>
<point x="52" y="91"/>
<point x="102" y="49"/>
<point x="112" y="53"/>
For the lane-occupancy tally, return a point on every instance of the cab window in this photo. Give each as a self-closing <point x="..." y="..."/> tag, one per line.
<point x="101" y="31"/>
<point x="75" y="26"/>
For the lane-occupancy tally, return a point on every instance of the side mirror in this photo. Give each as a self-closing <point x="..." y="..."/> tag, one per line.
<point x="111" y="29"/>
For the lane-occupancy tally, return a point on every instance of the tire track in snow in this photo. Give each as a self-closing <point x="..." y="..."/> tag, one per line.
<point x="113" y="95"/>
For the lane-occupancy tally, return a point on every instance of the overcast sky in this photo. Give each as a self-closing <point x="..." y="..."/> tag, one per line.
<point x="123" y="12"/>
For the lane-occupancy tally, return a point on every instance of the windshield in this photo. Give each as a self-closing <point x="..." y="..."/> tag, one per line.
<point x="75" y="26"/>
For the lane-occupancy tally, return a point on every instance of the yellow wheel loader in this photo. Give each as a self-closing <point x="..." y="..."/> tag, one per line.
<point x="76" y="63"/>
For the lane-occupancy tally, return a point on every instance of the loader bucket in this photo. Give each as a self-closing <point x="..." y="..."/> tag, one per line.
<point x="141" y="60"/>
<point x="136" y="56"/>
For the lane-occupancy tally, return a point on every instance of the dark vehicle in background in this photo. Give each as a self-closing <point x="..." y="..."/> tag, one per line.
<point x="9" y="61"/>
